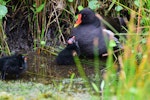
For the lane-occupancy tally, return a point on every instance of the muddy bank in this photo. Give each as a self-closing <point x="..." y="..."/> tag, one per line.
<point x="16" y="26"/>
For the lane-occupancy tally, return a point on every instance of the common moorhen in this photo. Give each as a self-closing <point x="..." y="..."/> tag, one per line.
<point x="88" y="28"/>
<point x="13" y="65"/>
<point x="65" y="57"/>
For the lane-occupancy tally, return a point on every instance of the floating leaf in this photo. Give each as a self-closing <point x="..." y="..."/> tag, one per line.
<point x="70" y="0"/>
<point x="3" y="11"/>
<point x="93" y="4"/>
<point x="80" y="8"/>
<point x="118" y="8"/>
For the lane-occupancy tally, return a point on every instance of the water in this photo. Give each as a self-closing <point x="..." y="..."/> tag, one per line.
<point x="42" y="68"/>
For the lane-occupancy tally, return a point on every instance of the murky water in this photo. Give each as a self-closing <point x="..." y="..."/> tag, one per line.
<point x="42" y="68"/>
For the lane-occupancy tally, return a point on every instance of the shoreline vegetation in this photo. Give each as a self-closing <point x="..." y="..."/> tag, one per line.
<point x="43" y="26"/>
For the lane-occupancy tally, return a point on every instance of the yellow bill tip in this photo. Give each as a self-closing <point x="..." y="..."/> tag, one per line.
<point x="75" y="25"/>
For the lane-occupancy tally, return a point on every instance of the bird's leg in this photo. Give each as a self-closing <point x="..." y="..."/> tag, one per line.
<point x="3" y="75"/>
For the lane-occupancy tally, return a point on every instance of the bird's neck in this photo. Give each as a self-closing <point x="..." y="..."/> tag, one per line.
<point x="97" y="22"/>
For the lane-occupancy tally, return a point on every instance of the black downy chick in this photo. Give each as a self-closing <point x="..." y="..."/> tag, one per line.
<point x="66" y="56"/>
<point x="12" y="65"/>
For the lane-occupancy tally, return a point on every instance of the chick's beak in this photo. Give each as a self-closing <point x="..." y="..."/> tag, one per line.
<point x="79" y="21"/>
<point x="25" y="59"/>
<point x="71" y="40"/>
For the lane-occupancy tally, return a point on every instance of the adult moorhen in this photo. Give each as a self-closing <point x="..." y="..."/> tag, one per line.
<point x="88" y="28"/>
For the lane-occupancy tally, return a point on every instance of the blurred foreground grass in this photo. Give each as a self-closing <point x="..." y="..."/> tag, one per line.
<point x="20" y="90"/>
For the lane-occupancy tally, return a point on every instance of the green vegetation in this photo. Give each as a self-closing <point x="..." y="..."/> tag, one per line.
<point x="20" y="90"/>
<point x="3" y="11"/>
<point x="130" y="83"/>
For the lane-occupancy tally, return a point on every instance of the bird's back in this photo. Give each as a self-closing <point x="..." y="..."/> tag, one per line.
<point x="86" y="35"/>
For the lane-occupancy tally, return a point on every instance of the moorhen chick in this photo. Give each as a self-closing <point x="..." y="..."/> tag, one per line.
<point x="65" y="57"/>
<point x="13" y="65"/>
<point x="86" y="29"/>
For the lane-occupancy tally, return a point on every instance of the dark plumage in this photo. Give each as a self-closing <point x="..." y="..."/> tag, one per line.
<point x="65" y="57"/>
<point x="87" y="29"/>
<point x="119" y="24"/>
<point x="12" y="65"/>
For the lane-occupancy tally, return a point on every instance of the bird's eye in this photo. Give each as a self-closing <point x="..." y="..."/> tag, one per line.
<point x="84" y="15"/>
